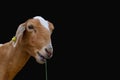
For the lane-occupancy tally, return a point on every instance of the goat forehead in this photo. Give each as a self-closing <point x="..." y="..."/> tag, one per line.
<point x="42" y="21"/>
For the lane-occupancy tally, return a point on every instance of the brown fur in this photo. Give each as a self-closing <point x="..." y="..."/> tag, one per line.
<point x="13" y="58"/>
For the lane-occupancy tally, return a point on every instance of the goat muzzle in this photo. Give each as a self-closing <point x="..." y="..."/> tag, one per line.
<point x="49" y="52"/>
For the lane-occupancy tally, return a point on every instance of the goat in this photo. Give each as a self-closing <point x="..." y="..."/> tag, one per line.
<point x="32" y="38"/>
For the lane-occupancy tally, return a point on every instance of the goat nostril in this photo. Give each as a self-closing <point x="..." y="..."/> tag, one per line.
<point x="49" y="52"/>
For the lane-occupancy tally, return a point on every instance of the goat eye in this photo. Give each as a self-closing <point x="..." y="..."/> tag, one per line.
<point x="30" y="27"/>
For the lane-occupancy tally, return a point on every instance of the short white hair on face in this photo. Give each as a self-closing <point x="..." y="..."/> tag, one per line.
<point x="42" y="21"/>
<point x="1" y="45"/>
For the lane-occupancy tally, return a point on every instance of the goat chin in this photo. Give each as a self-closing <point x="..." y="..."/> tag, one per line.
<point x="40" y="61"/>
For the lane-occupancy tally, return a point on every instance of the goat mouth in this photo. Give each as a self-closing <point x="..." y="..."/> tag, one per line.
<point x="42" y="58"/>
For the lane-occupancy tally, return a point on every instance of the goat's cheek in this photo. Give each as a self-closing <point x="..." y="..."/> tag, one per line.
<point x="33" y="39"/>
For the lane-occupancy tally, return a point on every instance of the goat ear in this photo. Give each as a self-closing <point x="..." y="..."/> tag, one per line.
<point x="51" y="26"/>
<point x="19" y="34"/>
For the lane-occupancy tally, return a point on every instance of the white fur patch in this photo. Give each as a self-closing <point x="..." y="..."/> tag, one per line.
<point x="1" y="45"/>
<point x="42" y="21"/>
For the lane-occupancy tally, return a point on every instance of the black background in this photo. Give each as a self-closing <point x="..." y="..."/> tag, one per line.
<point x="71" y="39"/>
